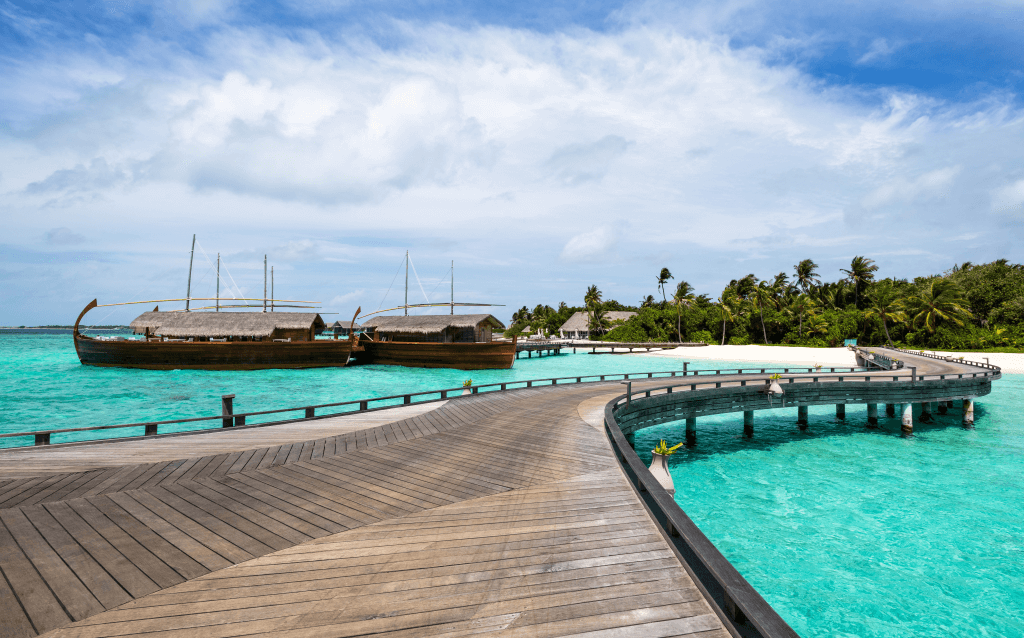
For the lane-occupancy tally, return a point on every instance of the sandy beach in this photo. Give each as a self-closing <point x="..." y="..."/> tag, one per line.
<point x="1011" y="363"/>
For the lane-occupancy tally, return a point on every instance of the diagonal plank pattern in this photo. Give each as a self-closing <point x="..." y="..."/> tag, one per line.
<point x="493" y="513"/>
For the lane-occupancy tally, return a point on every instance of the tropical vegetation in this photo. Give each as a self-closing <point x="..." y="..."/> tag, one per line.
<point x="968" y="307"/>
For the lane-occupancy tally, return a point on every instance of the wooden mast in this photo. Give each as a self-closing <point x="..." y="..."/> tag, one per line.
<point x="453" y="287"/>
<point x="264" y="283"/>
<point x="218" y="282"/>
<point x="188" y="291"/>
<point x="271" y="289"/>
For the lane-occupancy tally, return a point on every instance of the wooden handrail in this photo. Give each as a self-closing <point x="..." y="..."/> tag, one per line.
<point x="42" y="437"/>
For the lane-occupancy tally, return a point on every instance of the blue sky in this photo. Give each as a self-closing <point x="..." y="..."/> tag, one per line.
<point x="542" y="146"/>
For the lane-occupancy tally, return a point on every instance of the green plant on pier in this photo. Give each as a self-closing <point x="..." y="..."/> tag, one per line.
<point x="467" y="383"/>
<point x="663" y="448"/>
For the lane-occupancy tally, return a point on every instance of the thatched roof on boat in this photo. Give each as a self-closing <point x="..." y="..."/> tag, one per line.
<point x="224" y="324"/>
<point x="431" y="324"/>
<point x="580" y="323"/>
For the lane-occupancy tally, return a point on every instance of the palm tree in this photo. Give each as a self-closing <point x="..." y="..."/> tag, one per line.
<point x="940" y="300"/>
<point x="862" y="270"/>
<point x="663" y="278"/>
<point x="647" y="301"/>
<point x="727" y="302"/>
<point x="803" y="305"/>
<point x="887" y="305"/>
<point x="762" y="294"/>
<point x="598" y="321"/>
<point x="683" y="297"/>
<point x="591" y="300"/>
<point x="806" y="274"/>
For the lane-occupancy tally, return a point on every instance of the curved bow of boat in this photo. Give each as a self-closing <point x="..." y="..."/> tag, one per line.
<point x="92" y="304"/>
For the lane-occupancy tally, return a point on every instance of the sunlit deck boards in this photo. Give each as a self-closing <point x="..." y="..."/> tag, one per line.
<point x="494" y="513"/>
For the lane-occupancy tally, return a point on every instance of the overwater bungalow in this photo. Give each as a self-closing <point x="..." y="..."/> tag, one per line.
<point x="345" y="327"/>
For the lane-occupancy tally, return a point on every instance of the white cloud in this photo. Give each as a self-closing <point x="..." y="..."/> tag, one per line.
<point x="902" y="190"/>
<point x="879" y="50"/>
<point x="592" y="246"/>
<point x="1009" y="197"/>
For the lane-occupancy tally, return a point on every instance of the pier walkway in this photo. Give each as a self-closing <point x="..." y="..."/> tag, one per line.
<point x="502" y="513"/>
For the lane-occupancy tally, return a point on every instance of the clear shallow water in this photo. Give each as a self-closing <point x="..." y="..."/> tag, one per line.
<point x="852" y="532"/>
<point x="845" y="531"/>
<point x="46" y="388"/>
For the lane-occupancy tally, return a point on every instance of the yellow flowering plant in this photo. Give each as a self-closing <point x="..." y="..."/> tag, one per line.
<point x="663" y="448"/>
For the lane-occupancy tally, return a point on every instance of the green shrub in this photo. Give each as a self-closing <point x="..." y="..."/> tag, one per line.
<point x="702" y="335"/>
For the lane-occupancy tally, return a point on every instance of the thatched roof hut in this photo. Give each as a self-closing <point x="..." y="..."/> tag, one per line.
<point x="253" y="325"/>
<point x="345" y="326"/>
<point x="444" y="328"/>
<point x="577" y="326"/>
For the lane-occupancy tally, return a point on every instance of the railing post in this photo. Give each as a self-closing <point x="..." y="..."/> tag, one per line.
<point x="310" y="413"/>
<point x="43" y="438"/>
<point x="151" y="429"/>
<point x="685" y="365"/>
<point x="227" y="408"/>
<point x="365" y="405"/>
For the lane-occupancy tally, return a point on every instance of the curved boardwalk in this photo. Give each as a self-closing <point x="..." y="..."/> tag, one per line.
<point x="499" y="513"/>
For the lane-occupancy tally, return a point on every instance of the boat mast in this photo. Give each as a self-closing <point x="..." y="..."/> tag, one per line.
<point x="271" y="289"/>
<point x="264" y="283"/>
<point x="218" y="282"/>
<point x="188" y="291"/>
<point x="453" y="286"/>
<point x="407" y="283"/>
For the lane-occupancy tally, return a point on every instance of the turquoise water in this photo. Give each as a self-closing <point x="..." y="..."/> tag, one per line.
<point x="845" y="531"/>
<point x="46" y="388"/>
<point x="853" y="532"/>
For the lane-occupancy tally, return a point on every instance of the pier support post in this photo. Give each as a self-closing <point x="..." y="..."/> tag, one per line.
<point x="968" y="413"/>
<point x="949" y="403"/>
<point x="872" y="415"/>
<point x="943" y="408"/>
<point x="890" y="410"/>
<point x="841" y="411"/>
<point x="801" y="416"/>
<point x="926" y="412"/>
<point x="631" y="439"/>
<point x="908" y="418"/>
<point x="691" y="430"/>
<point x="227" y="408"/>
<point x="748" y="423"/>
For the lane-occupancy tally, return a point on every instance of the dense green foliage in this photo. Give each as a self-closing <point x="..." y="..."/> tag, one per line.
<point x="969" y="307"/>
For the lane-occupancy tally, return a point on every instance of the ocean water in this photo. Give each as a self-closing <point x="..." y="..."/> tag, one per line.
<point x="853" y="532"/>
<point x="46" y="388"/>
<point x="845" y="531"/>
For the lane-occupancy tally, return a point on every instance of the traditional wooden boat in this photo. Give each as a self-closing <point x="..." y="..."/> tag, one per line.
<point x="216" y="341"/>
<point x="436" y="341"/>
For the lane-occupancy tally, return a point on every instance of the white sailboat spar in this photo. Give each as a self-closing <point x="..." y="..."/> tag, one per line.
<point x="451" y="304"/>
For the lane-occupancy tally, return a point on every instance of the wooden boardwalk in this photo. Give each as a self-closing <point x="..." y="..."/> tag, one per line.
<point x="490" y="514"/>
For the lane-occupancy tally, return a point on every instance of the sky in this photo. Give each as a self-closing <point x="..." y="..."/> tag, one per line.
<point x="540" y="146"/>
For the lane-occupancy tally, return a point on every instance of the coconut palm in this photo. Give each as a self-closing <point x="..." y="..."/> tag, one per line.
<point x="806" y="274"/>
<point x="729" y="305"/>
<point x="682" y="297"/>
<point x="802" y="306"/>
<point x="940" y="300"/>
<point x="598" y="320"/>
<point x="763" y="294"/>
<point x="886" y="304"/>
<point x="591" y="300"/>
<point x="663" y="278"/>
<point x="862" y="271"/>
<point x="647" y="301"/>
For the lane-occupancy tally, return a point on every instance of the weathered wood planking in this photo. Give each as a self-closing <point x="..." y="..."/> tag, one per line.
<point x="498" y="512"/>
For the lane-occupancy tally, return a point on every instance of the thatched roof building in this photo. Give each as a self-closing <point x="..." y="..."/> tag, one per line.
<point x="577" y="327"/>
<point x="297" y="326"/>
<point x="443" y="328"/>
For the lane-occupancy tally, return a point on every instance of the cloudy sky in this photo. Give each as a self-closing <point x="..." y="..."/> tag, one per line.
<point x="542" y="146"/>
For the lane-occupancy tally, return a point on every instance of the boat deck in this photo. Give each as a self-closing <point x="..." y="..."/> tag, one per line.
<point x="496" y="513"/>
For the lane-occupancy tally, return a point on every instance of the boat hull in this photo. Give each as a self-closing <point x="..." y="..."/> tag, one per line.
<point x="461" y="356"/>
<point x="206" y="355"/>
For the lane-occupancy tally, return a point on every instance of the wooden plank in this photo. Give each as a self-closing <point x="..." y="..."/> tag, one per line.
<point x="72" y="594"/>
<point x="36" y="599"/>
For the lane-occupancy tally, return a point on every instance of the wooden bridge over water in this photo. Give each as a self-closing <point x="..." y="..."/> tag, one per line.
<point x="518" y="513"/>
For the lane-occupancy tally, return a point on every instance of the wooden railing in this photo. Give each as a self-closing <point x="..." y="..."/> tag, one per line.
<point x="229" y="418"/>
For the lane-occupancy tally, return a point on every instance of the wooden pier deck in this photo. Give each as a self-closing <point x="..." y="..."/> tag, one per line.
<point x="489" y="514"/>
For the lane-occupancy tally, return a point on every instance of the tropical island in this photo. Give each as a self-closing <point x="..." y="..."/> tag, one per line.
<point x="966" y="308"/>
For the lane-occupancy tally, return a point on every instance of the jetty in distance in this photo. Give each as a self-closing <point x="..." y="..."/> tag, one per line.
<point x="523" y="512"/>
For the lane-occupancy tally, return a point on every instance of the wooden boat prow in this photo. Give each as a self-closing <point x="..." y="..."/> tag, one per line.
<point x="201" y="353"/>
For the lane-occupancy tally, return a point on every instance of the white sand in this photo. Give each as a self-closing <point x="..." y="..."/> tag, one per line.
<point x="837" y="357"/>
<point x="1011" y="363"/>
